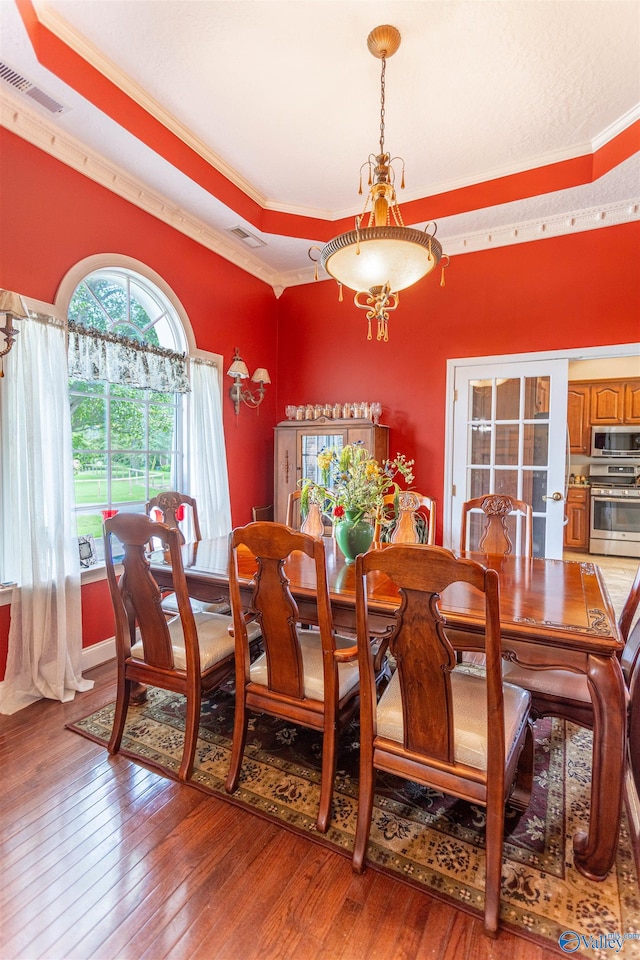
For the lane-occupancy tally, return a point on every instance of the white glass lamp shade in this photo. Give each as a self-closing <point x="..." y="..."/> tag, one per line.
<point x="374" y="256"/>
<point x="238" y="369"/>
<point x="261" y="376"/>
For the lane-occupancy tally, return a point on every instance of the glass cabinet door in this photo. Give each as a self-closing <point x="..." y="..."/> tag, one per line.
<point x="310" y="446"/>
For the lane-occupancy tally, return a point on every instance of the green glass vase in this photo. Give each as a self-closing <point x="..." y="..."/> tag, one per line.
<point x="353" y="536"/>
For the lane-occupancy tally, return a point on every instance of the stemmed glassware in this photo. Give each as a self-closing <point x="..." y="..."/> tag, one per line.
<point x="376" y="411"/>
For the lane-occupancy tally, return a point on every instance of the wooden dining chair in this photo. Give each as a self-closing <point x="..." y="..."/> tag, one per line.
<point x="293" y="510"/>
<point x="464" y="735"/>
<point x="315" y="523"/>
<point x="308" y="677"/>
<point x="411" y="517"/>
<point x="171" y="506"/>
<point x="494" y="537"/>
<point x="191" y="654"/>
<point x="262" y="513"/>
<point x="561" y="693"/>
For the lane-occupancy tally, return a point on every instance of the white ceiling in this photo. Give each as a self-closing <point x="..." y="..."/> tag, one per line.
<point x="283" y="98"/>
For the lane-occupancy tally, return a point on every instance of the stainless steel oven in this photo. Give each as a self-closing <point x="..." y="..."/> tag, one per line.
<point x="615" y="509"/>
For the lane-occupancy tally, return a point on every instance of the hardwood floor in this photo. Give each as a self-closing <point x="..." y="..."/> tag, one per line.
<point x="102" y="859"/>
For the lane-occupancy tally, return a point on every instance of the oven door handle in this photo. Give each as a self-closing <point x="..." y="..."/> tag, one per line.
<point x="599" y="499"/>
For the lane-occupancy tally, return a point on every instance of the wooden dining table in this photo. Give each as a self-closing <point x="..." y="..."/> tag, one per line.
<point x="554" y="614"/>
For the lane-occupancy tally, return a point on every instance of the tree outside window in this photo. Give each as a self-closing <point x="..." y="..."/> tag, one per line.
<point x="127" y="442"/>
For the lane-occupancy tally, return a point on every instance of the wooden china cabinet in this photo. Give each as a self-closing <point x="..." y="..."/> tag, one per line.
<point x="298" y="443"/>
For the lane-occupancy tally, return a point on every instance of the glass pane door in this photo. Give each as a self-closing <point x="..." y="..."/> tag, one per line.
<point x="509" y="438"/>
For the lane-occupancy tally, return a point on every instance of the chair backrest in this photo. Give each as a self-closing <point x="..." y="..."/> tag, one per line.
<point x="633" y="729"/>
<point x="495" y="537"/>
<point x="136" y="597"/>
<point x="424" y="655"/>
<point x="631" y="635"/>
<point x="293" y="515"/>
<point x="170" y="503"/>
<point x="274" y="606"/>
<point x="314" y="522"/>
<point x="262" y="513"/>
<point x="630" y="607"/>
<point x="414" y="516"/>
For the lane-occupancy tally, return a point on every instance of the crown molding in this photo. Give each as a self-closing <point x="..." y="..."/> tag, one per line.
<point x="44" y="134"/>
<point x="60" y="28"/>
<point x="52" y="20"/>
<point x="593" y="218"/>
<point x="616" y="128"/>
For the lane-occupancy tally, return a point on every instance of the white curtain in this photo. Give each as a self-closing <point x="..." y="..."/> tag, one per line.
<point x="207" y="453"/>
<point x="37" y="526"/>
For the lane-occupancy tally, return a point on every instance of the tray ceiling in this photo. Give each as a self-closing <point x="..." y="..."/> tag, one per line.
<point x="257" y="114"/>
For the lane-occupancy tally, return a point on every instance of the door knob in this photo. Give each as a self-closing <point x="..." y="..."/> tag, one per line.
<point x="554" y="496"/>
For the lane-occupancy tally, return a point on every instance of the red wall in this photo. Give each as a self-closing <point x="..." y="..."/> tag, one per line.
<point x="572" y="291"/>
<point x="576" y="291"/>
<point x="52" y="217"/>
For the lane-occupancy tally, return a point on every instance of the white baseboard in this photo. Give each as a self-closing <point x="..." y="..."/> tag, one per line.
<point x="98" y="653"/>
<point x="94" y="655"/>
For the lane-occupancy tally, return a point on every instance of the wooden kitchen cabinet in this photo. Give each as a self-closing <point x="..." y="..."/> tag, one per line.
<point x="607" y="402"/>
<point x="298" y="442"/>
<point x="632" y="402"/>
<point x="576" y="532"/>
<point x="599" y="402"/>
<point x="578" y="413"/>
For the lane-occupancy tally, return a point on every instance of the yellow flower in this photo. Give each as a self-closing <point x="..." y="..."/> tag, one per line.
<point x="324" y="459"/>
<point x="371" y="468"/>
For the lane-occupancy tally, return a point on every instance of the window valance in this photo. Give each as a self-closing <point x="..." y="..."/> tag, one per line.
<point x="94" y="355"/>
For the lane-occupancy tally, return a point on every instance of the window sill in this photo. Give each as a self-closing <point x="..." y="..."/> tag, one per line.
<point x="90" y="575"/>
<point x="5" y="595"/>
<point x="93" y="574"/>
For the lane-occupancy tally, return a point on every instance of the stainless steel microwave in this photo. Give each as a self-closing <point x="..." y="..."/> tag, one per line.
<point x="615" y="442"/>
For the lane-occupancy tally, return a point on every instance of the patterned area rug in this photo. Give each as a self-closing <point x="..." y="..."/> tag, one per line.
<point x="418" y="835"/>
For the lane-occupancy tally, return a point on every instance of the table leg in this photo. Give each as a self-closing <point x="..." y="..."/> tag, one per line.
<point x="138" y="693"/>
<point x="595" y="850"/>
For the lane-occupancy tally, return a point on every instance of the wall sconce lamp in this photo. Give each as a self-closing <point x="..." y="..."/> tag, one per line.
<point x="11" y="308"/>
<point x="238" y="370"/>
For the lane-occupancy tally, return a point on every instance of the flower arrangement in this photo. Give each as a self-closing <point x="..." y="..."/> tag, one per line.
<point x="353" y="481"/>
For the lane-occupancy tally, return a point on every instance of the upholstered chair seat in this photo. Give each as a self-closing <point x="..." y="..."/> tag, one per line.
<point x="469" y="696"/>
<point x="311" y="650"/>
<point x="215" y="640"/>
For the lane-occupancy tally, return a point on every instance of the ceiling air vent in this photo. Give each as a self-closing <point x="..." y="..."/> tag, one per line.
<point x="251" y="241"/>
<point x="26" y="88"/>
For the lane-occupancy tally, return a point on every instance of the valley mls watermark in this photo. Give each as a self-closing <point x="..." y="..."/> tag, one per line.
<point x="570" y="941"/>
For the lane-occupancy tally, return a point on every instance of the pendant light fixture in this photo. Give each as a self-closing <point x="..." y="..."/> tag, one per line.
<point x="381" y="256"/>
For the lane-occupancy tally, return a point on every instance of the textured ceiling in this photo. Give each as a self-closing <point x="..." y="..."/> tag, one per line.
<point x="283" y="99"/>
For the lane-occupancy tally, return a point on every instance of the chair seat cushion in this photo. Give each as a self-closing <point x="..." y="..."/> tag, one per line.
<point x="470" y="716"/>
<point x="214" y="638"/>
<point x="562" y="684"/>
<point x="311" y="648"/>
<point x="170" y="605"/>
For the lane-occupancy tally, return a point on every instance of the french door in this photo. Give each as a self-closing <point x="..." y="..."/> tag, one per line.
<point x="510" y="437"/>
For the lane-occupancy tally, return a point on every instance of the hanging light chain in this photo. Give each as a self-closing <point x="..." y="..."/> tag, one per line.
<point x="382" y="91"/>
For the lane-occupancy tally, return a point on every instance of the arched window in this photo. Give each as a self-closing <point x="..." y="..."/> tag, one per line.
<point x="128" y="442"/>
